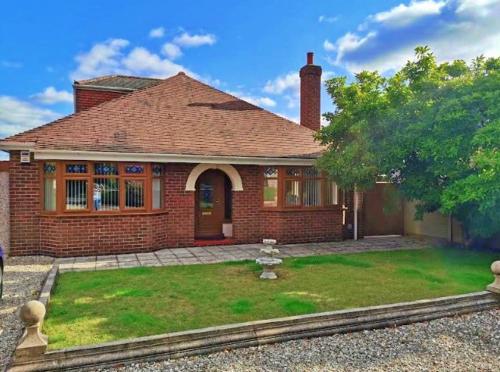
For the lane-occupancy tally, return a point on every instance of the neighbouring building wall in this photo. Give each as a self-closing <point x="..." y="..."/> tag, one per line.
<point x="87" y="98"/>
<point x="4" y="206"/>
<point x="434" y="225"/>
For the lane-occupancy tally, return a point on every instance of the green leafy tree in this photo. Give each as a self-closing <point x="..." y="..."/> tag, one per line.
<point x="432" y="129"/>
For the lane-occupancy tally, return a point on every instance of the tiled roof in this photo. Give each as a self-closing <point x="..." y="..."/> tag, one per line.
<point x="119" y="82"/>
<point x="180" y="115"/>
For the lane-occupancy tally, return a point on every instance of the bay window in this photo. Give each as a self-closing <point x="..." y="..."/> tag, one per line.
<point x="102" y="187"/>
<point x="298" y="187"/>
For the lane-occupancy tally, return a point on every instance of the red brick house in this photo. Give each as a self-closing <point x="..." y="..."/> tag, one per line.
<point x="145" y="164"/>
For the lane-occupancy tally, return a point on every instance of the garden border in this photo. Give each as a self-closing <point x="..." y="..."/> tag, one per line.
<point x="232" y="336"/>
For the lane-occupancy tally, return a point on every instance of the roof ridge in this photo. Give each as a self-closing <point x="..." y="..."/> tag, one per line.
<point x="97" y="78"/>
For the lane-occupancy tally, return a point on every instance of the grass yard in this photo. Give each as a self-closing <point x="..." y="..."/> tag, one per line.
<point x="94" y="307"/>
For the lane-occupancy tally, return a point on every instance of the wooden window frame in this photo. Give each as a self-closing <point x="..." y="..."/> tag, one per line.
<point x="62" y="176"/>
<point x="283" y="177"/>
<point x="264" y="179"/>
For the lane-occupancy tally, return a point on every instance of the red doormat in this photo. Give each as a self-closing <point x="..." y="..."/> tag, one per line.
<point x="209" y="242"/>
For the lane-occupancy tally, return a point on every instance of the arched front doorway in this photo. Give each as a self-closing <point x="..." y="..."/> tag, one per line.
<point x="213" y="204"/>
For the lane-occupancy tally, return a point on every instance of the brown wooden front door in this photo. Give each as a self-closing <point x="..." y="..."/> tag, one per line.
<point x="383" y="211"/>
<point x="210" y="205"/>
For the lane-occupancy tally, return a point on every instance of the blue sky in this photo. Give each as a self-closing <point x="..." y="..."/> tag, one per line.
<point x="252" y="49"/>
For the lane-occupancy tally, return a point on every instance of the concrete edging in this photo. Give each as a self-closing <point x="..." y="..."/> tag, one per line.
<point x="212" y="339"/>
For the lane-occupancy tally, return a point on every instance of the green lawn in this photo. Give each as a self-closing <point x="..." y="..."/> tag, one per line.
<point x="93" y="307"/>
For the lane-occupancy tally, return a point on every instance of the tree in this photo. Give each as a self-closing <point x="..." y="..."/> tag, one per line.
<point x="432" y="129"/>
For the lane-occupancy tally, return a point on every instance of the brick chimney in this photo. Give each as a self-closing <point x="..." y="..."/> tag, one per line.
<point x="310" y="94"/>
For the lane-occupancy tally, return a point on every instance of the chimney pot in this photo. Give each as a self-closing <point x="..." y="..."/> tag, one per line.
<point x="310" y="58"/>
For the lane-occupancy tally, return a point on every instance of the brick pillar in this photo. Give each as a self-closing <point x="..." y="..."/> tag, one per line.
<point x="310" y="94"/>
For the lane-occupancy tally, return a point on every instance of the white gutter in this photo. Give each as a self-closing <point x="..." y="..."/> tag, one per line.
<point x="165" y="158"/>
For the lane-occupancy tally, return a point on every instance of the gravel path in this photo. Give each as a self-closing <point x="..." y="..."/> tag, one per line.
<point x="466" y="343"/>
<point x="22" y="282"/>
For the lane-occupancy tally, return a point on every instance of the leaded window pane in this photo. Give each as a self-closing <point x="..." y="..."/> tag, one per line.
<point x="157" y="170"/>
<point x="293" y="172"/>
<point x="292" y="193"/>
<point x="134" y="194"/>
<point x="134" y="169"/>
<point x="76" y="194"/>
<point x="106" y="169"/>
<point x="311" y="172"/>
<point x="49" y="169"/>
<point x="76" y="168"/>
<point x="106" y="194"/>
<point x="271" y="172"/>
<point x="270" y="193"/>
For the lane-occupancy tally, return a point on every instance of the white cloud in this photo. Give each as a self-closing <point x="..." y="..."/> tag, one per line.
<point x="113" y="57"/>
<point x="453" y="29"/>
<point x="187" y="40"/>
<point x="403" y="15"/>
<point x="288" y="86"/>
<point x="102" y="59"/>
<point x="257" y="101"/>
<point x="172" y="51"/>
<point x="328" y="46"/>
<point x="141" y="61"/>
<point x="17" y="116"/>
<point x="157" y="32"/>
<point x="10" y="64"/>
<point x="327" y="19"/>
<point x="51" y="95"/>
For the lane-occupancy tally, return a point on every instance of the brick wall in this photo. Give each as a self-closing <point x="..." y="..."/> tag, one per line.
<point x="34" y="233"/>
<point x="24" y="192"/>
<point x="86" y="98"/>
<point x="4" y="206"/>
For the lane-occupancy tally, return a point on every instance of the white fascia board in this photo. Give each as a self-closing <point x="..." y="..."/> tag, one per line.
<point x="166" y="158"/>
<point x="13" y="146"/>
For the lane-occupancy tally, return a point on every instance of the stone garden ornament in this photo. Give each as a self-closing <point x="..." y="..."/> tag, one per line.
<point x="269" y="262"/>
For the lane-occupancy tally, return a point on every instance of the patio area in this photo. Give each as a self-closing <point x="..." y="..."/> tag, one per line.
<point x="214" y="254"/>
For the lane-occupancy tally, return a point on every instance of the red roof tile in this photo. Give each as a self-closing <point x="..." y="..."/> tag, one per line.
<point x="180" y="115"/>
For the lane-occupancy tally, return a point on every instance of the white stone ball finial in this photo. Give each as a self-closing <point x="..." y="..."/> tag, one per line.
<point x="495" y="286"/>
<point x="32" y="313"/>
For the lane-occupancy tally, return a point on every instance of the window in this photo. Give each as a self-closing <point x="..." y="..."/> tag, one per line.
<point x="271" y="187"/>
<point x="49" y="186"/>
<point x="298" y="187"/>
<point x="102" y="187"/>
<point x="106" y="192"/>
<point x="157" y="186"/>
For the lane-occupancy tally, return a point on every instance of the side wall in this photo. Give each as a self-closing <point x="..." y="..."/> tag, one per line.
<point x="70" y="235"/>
<point x="434" y="225"/>
<point x="4" y="206"/>
<point x="86" y="98"/>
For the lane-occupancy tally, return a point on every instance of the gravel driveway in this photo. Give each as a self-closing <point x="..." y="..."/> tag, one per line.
<point x="465" y="343"/>
<point x="22" y="282"/>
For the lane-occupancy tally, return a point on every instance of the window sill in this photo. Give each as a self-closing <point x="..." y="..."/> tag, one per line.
<point x="103" y="214"/>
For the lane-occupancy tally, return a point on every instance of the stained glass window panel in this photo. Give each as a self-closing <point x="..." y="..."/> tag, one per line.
<point x="76" y="194"/>
<point x="49" y="169"/>
<point x="76" y="168"/>
<point x="157" y="170"/>
<point x="134" y="194"/>
<point x="106" y="169"/>
<point x="134" y="169"/>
